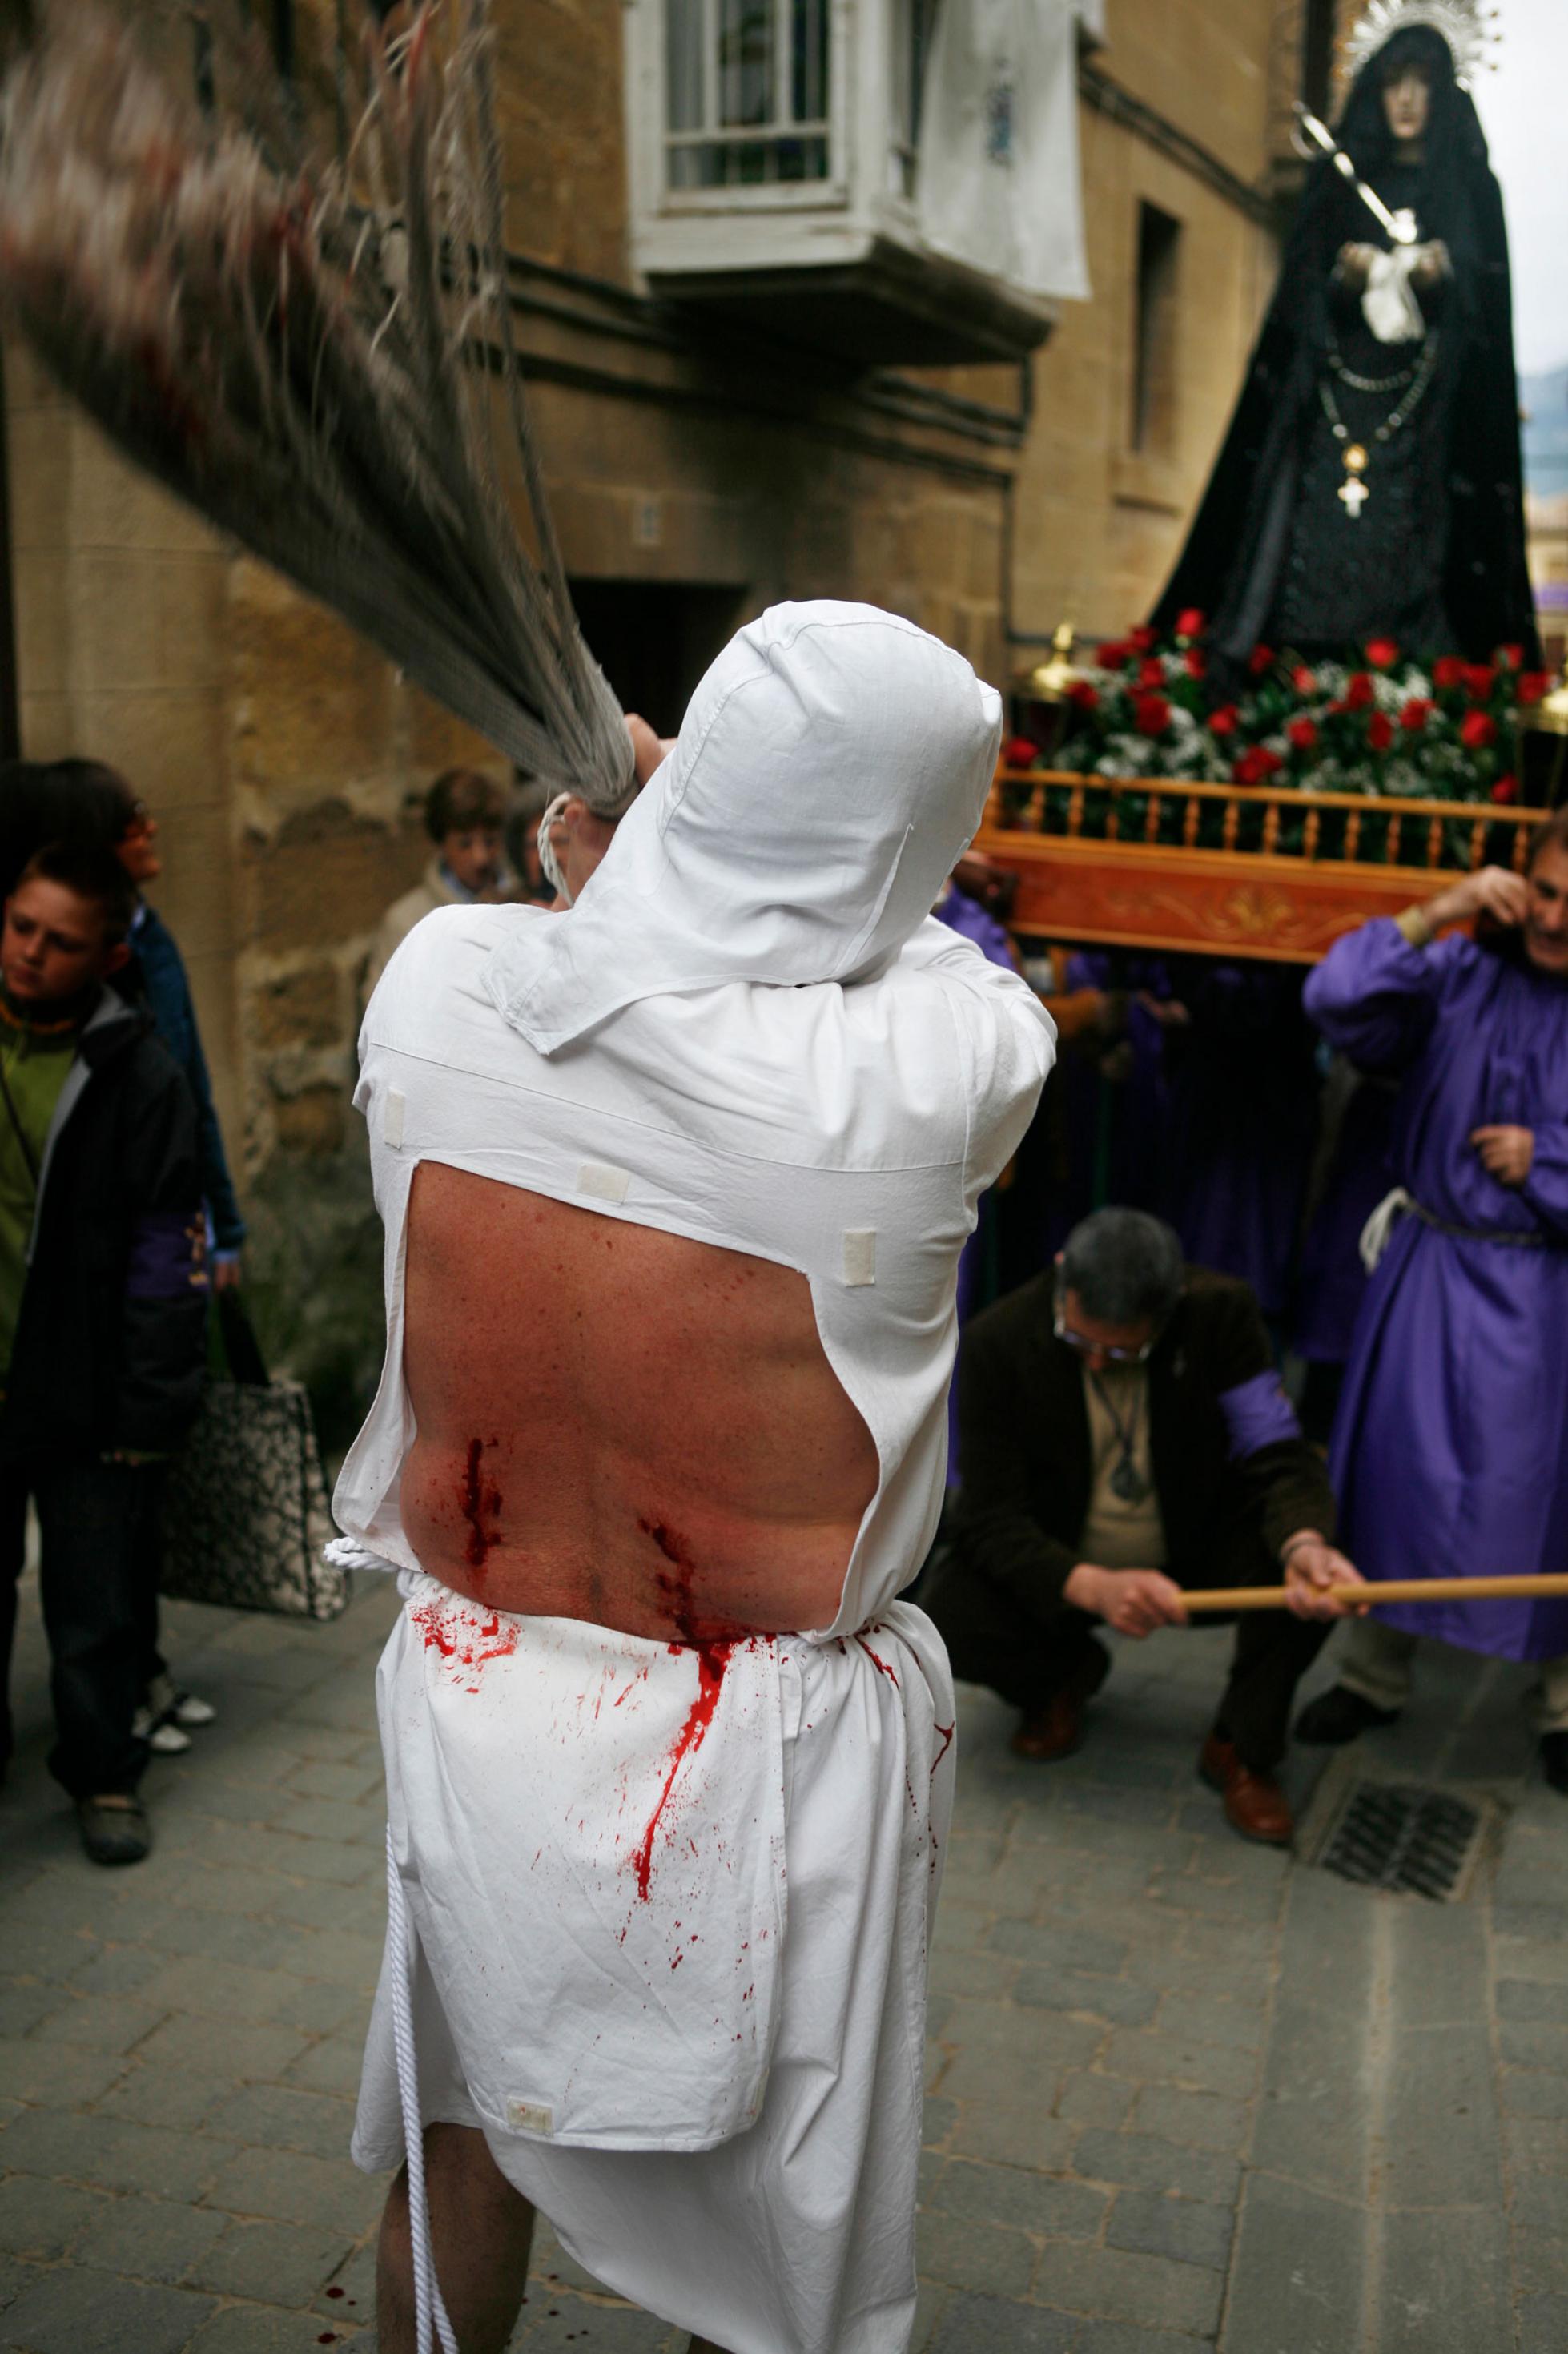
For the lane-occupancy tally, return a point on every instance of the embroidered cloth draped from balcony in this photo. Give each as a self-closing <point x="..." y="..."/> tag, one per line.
<point x="1000" y="186"/>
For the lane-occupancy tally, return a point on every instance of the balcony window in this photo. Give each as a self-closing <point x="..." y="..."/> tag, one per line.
<point x="747" y="94"/>
<point x="800" y="165"/>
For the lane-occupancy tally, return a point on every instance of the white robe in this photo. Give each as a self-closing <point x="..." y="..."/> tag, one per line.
<point x="671" y="1903"/>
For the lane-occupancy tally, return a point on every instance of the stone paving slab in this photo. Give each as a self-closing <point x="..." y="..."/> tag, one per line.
<point x="1182" y="2093"/>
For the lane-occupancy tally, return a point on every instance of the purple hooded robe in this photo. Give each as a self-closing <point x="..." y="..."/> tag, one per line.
<point x="1450" y="1447"/>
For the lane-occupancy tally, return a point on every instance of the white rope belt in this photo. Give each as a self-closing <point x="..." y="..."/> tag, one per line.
<point x="347" y="1553"/>
<point x="429" y="2309"/>
<point x="1380" y="1225"/>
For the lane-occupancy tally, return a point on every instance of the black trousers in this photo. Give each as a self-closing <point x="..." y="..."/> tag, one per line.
<point x="98" y="1583"/>
<point x="992" y="1640"/>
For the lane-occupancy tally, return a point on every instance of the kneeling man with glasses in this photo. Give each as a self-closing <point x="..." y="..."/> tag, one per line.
<point x="1122" y="1433"/>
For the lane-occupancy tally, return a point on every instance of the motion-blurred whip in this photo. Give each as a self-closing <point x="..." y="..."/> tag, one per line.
<point x="313" y="353"/>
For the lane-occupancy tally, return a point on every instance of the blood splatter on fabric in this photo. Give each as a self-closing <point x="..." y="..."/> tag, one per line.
<point x="946" y="1732"/>
<point x="713" y="1659"/>
<point x="480" y="1501"/>
<point x="877" y="1662"/>
<point x="467" y="1640"/>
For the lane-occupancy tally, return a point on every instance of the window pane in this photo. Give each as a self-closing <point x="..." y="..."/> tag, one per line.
<point x="809" y="61"/>
<point x="684" y="67"/>
<point x="748" y="163"/>
<point x="746" y="60"/>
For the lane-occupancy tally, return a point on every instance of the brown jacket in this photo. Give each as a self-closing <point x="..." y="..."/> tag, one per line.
<point x="1224" y="1440"/>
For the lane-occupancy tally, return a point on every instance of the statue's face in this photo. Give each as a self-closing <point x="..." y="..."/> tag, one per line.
<point x="1408" y="102"/>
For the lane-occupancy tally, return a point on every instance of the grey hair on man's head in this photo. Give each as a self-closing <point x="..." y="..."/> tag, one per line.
<point x="1125" y="1266"/>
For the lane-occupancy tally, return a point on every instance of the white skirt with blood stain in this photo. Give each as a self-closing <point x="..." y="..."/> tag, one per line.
<point x="672" y="1906"/>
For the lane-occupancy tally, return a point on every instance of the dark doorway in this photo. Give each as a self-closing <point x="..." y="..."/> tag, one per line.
<point x="653" y="639"/>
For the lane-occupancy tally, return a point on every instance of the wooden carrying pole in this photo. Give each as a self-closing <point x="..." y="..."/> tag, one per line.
<point x="1406" y="1589"/>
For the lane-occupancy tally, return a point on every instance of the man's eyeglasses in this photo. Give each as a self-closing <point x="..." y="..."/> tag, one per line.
<point x="1085" y="1348"/>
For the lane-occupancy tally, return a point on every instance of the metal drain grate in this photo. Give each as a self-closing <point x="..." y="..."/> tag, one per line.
<point x="1388" y="1835"/>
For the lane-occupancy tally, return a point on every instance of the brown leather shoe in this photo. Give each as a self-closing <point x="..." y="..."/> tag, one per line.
<point x="1255" y="1805"/>
<point x="1054" y="1731"/>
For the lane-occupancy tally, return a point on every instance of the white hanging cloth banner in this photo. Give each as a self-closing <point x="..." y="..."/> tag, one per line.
<point x="1000" y="184"/>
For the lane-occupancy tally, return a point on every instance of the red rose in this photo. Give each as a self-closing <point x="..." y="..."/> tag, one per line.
<point x="1413" y="719"/>
<point x="1151" y="714"/>
<point x="1480" y="678"/>
<point x="1510" y="657"/>
<point x="1141" y="639"/>
<point x="1382" y="652"/>
<point x="1478" y="730"/>
<point x="1304" y="681"/>
<point x="1262" y="658"/>
<point x="1113" y="656"/>
<point x="1196" y="664"/>
<point x="1532" y="685"/>
<point x="1303" y="734"/>
<point x="1190" y="624"/>
<point x="1082" y="696"/>
<point x="1222" y="722"/>
<point x="1449" y="671"/>
<point x="1253" y="766"/>
<point x="1151" y="673"/>
<point x="1018" y="752"/>
<point x="1506" y="789"/>
<point x="1380" y="731"/>
<point x="1358" y="692"/>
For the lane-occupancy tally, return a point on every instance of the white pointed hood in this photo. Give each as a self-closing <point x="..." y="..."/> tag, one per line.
<point x="832" y="765"/>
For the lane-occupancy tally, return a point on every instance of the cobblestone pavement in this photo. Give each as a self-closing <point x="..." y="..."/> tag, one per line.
<point x="1182" y="2089"/>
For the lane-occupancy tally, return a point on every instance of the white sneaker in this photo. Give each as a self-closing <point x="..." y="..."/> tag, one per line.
<point x="167" y="1702"/>
<point x="159" y="1734"/>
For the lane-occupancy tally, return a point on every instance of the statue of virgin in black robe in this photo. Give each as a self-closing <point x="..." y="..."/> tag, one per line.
<point x="1429" y="549"/>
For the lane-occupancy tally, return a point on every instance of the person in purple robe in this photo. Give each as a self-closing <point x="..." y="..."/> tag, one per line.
<point x="1450" y="1447"/>
<point x="1111" y="1103"/>
<point x="966" y="915"/>
<point x="1330" y="1280"/>
<point x="1241" y="1123"/>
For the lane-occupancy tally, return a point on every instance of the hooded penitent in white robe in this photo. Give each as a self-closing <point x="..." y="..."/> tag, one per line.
<point x="668" y="1904"/>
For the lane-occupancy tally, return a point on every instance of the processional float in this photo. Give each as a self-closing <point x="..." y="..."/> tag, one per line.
<point x="1272" y="861"/>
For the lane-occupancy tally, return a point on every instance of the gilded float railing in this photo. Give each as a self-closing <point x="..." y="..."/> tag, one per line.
<point x="1261" y="870"/>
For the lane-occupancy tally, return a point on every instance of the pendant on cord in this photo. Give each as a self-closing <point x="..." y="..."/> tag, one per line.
<point x="1128" y="1483"/>
<point x="1354" y="492"/>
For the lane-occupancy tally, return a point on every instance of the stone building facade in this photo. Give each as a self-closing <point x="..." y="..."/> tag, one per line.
<point x="698" y="472"/>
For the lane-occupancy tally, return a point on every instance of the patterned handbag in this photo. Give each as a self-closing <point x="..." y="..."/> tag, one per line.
<point x="245" y="1518"/>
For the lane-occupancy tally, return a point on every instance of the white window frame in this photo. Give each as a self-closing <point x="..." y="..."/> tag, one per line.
<point x="652" y="140"/>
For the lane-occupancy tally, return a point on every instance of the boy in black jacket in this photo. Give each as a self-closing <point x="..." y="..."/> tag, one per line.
<point x="102" y="1312"/>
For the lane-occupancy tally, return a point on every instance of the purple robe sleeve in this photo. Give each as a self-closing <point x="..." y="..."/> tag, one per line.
<point x="1546" y="1187"/>
<point x="1257" y="1414"/>
<point x="1376" y="996"/>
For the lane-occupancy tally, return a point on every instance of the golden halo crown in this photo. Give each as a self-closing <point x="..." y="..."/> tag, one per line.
<point x="1464" y="25"/>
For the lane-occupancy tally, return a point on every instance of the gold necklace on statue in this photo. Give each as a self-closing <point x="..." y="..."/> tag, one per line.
<point x="1354" y="456"/>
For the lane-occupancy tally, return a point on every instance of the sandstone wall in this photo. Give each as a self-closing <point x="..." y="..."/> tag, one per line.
<point x="1099" y="523"/>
